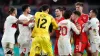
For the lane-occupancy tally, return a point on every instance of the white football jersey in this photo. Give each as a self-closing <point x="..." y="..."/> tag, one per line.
<point x="25" y="31"/>
<point x="65" y="28"/>
<point x="10" y="28"/>
<point x="93" y="27"/>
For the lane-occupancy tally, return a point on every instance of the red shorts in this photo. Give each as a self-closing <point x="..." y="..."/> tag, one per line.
<point x="80" y="47"/>
<point x="56" y="47"/>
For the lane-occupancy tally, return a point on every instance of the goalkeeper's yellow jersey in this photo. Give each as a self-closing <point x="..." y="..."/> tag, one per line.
<point x="42" y="23"/>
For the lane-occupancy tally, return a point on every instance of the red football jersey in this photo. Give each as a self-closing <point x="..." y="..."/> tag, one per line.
<point x="82" y="36"/>
<point x="84" y="18"/>
<point x="57" y="36"/>
<point x="57" y="31"/>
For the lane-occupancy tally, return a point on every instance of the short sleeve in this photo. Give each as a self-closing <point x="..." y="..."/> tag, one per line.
<point x="12" y="20"/>
<point x="55" y="25"/>
<point x="21" y="17"/>
<point x="74" y="28"/>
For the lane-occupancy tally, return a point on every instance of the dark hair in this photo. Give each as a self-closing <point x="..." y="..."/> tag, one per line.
<point x="95" y="11"/>
<point x="67" y="14"/>
<point x="61" y="9"/>
<point x="64" y="8"/>
<point x="77" y="13"/>
<point x="24" y="7"/>
<point x="79" y="3"/>
<point x="44" y="7"/>
<point x="11" y="10"/>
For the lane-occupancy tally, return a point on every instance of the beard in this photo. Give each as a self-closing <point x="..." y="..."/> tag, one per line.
<point x="57" y="15"/>
<point x="28" y="12"/>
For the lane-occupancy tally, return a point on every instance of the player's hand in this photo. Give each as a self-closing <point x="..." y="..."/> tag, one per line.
<point x="51" y="34"/>
<point x="78" y="27"/>
<point x="32" y="19"/>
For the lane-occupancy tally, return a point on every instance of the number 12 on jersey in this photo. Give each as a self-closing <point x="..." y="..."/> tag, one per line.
<point x="44" y="21"/>
<point x="63" y="30"/>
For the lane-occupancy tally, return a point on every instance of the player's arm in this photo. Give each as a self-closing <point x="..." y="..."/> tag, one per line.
<point x="22" y="20"/>
<point x="54" y="24"/>
<point x="87" y="26"/>
<point x="15" y="20"/>
<point x="77" y="29"/>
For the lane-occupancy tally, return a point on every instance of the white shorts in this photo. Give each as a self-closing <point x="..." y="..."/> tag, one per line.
<point x="95" y="44"/>
<point x="64" y="47"/>
<point x="25" y="48"/>
<point x="25" y="45"/>
<point x="7" y="46"/>
<point x="95" y="47"/>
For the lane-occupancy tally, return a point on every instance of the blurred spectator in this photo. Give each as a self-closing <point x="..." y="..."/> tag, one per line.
<point x="23" y="2"/>
<point x="6" y="2"/>
<point x="4" y="14"/>
<point x="30" y="2"/>
<point x="41" y="2"/>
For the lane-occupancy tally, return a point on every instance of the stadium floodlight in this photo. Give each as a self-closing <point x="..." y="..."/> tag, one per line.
<point x="55" y="0"/>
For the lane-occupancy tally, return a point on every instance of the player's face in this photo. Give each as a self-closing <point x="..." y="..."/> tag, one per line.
<point x="79" y="8"/>
<point x="48" y="10"/>
<point x="73" y="16"/>
<point x="90" y="14"/>
<point x="58" y="12"/>
<point x="15" y="12"/>
<point x="28" y="10"/>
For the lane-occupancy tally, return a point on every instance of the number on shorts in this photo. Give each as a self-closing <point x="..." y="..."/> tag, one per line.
<point x="24" y="49"/>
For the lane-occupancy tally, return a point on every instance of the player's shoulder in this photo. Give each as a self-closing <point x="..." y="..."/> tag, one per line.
<point x="21" y="15"/>
<point x="30" y="15"/>
<point x="80" y="21"/>
<point x="50" y="15"/>
<point x="94" y="20"/>
<point x="84" y="14"/>
<point x="37" y="13"/>
<point x="65" y="21"/>
<point x="10" y="17"/>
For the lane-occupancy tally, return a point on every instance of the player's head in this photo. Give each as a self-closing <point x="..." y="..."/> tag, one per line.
<point x="13" y="10"/>
<point x="79" y="6"/>
<point x="26" y="8"/>
<point x="45" y="8"/>
<point x="67" y="14"/>
<point x="58" y="11"/>
<point x="93" y="13"/>
<point x="75" y="15"/>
